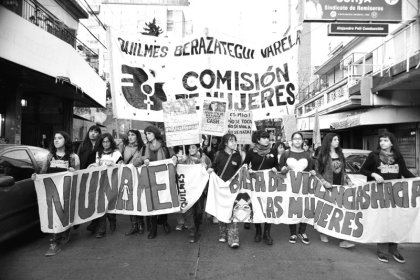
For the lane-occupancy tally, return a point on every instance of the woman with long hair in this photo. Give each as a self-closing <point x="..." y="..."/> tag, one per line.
<point x="155" y="150"/>
<point x="61" y="158"/>
<point x="107" y="155"/>
<point x="258" y="158"/>
<point x="225" y="165"/>
<point x="278" y="149"/>
<point x="87" y="149"/>
<point x="297" y="159"/>
<point x="130" y="149"/>
<point x="87" y="156"/>
<point x="330" y="167"/>
<point x="386" y="163"/>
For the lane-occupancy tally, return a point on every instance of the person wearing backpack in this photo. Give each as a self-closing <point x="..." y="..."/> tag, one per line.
<point x="261" y="157"/>
<point x="226" y="163"/>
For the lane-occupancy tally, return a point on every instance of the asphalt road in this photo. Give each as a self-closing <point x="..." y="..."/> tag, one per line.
<point x="170" y="256"/>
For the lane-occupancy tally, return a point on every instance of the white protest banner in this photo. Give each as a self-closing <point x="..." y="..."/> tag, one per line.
<point x="260" y="76"/>
<point x="190" y="175"/>
<point x="181" y="122"/>
<point x="71" y="198"/>
<point x="239" y="123"/>
<point x="383" y="212"/>
<point x="213" y="117"/>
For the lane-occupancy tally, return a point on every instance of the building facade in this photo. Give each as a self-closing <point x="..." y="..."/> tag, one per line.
<point x="367" y="85"/>
<point x="42" y="75"/>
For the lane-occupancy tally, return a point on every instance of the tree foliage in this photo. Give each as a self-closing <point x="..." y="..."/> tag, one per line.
<point x="152" y="29"/>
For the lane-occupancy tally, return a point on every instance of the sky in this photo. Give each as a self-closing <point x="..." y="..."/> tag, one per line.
<point x="240" y="18"/>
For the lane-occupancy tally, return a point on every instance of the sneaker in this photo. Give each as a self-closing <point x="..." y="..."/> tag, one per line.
<point x="215" y="220"/>
<point x="100" y="235"/>
<point x="397" y="256"/>
<point x="323" y="237"/>
<point x="179" y="227"/>
<point x="234" y="245"/>
<point x="293" y="239"/>
<point x="304" y="238"/>
<point x="382" y="257"/>
<point x="222" y="239"/>
<point x="54" y="249"/>
<point x="346" y="244"/>
<point x="192" y="238"/>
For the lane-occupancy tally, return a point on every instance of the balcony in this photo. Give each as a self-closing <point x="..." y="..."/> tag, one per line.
<point x="38" y="15"/>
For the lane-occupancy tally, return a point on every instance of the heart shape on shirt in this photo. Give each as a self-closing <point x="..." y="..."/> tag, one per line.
<point x="297" y="165"/>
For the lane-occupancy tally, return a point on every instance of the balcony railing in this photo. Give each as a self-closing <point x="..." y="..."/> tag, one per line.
<point x="37" y="14"/>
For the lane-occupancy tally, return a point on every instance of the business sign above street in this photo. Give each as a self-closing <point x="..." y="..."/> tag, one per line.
<point x="353" y="10"/>
<point x="358" y="29"/>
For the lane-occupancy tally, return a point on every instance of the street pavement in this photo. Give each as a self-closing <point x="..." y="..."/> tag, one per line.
<point x="170" y="256"/>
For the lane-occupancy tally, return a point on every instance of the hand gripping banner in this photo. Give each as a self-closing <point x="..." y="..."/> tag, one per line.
<point x="71" y="198"/>
<point x="372" y="212"/>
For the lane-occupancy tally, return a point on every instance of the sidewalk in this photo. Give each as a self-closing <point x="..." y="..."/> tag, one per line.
<point x="171" y="257"/>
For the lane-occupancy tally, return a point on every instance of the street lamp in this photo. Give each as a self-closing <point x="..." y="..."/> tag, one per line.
<point x="24" y="102"/>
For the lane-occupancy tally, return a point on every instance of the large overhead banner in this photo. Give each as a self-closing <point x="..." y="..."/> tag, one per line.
<point x="353" y="10"/>
<point x="146" y="71"/>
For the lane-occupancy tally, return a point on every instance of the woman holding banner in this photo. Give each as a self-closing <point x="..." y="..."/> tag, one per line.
<point x="61" y="158"/>
<point x="297" y="159"/>
<point x="386" y="163"/>
<point x="87" y="152"/>
<point x="330" y="169"/>
<point x="226" y="163"/>
<point x="130" y="150"/>
<point x="107" y="155"/>
<point x="260" y="157"/>
<point x="192" y="216"/>
<point x="155" y="150"/>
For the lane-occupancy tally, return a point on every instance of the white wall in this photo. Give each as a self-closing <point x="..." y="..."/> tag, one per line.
<point x="28" y="45"/>
<point x="60" y="13"/>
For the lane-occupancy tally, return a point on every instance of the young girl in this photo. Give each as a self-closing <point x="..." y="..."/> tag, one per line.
<point x="297" y="159"/>
<point x="260" y="158"/>
<point x="386" y="163"/>
<point x="226" y="163"/>
<point x="330" y="169"/>
<point x="130" y="150"/>
<point x="61" y="158"/>
<point x="107" y="155"/>
<point x="194" y="156"/>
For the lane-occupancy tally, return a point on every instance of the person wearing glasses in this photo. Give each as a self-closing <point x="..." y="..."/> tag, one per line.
<point x="297" y="159"/>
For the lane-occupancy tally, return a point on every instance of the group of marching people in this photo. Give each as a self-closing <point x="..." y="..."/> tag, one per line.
<point x="224" y="159"/>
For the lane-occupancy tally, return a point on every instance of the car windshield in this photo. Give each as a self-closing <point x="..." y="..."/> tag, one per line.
<point x="354" y="162"/>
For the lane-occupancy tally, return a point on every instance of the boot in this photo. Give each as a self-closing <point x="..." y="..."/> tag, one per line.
<point x="134" y="229"/>
<point x="257" y="237"/>
<point x="141" y="228"/>
<point x="267" y="237"/>
<point x="148" y="224"/>
<point x="166" y="227"/>
<point x="153" y="227"/>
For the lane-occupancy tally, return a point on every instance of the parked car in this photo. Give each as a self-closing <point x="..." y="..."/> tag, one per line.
<point x="18" y="201"/>
<point x="354" y="161"/>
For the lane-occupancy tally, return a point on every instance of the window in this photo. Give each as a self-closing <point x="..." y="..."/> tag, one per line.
<point x="16" y="164"/>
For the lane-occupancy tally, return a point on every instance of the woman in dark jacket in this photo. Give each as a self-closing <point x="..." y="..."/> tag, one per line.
<point x="386" y="163"/>
<point x="259" y="158"/>
<point x="87" y="155"/>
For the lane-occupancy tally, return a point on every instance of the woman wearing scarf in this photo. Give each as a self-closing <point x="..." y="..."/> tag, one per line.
<point x="386" y="163"/>
<point x="261" y="158"/>
<point x="155" y="150"/>
<point x="130" y="151"/>
<point x="297" y="159"/>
